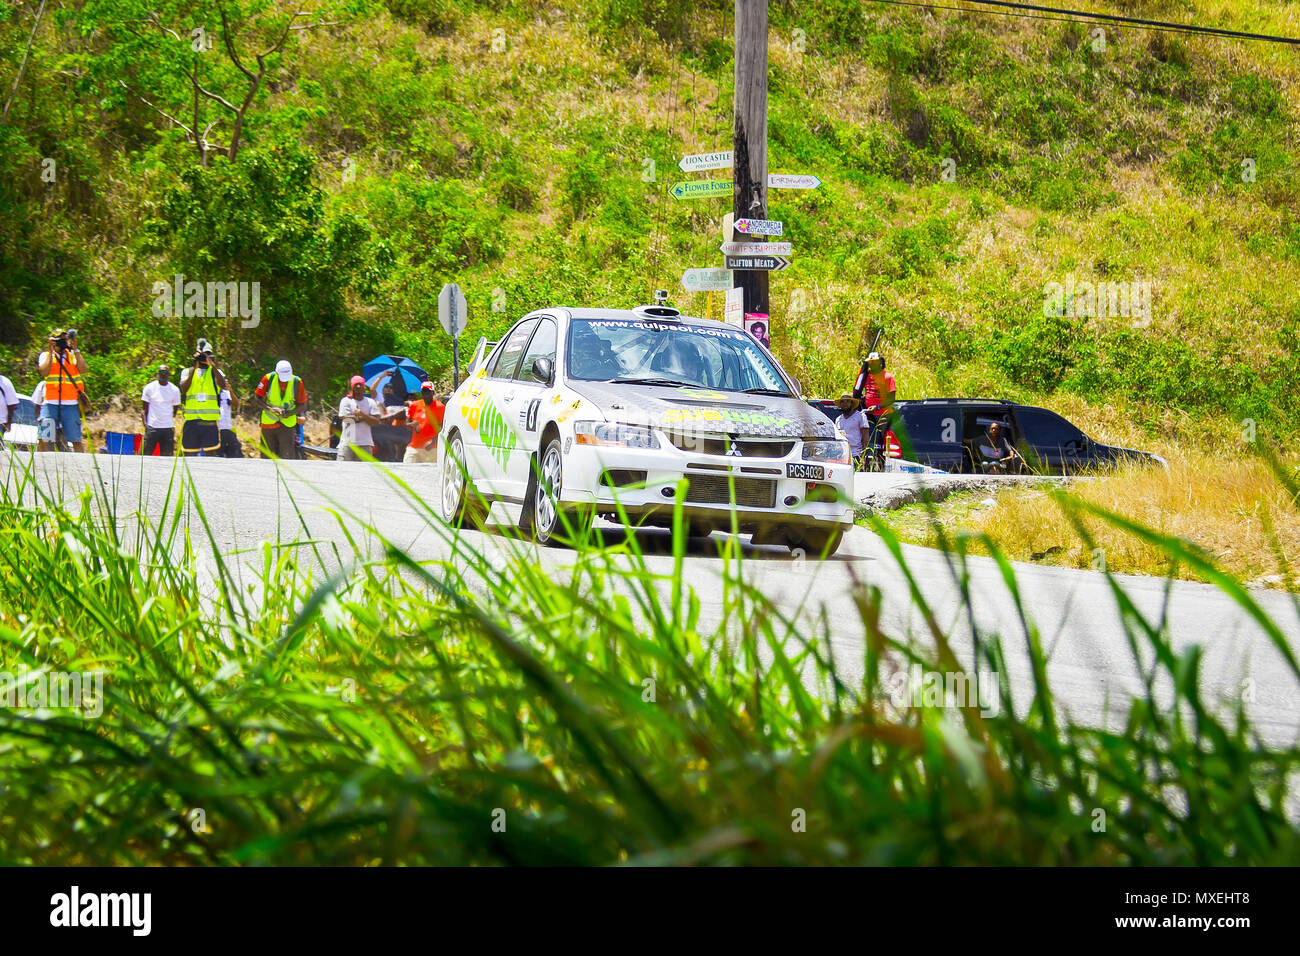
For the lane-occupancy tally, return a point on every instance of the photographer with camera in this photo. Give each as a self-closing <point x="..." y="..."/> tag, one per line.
<point x="65" y="393"/>
<point x="283" y="400"/>
<point x="201" y="387"/>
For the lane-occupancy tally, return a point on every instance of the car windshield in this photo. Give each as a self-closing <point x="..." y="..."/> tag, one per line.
<point x="670" y="353"/>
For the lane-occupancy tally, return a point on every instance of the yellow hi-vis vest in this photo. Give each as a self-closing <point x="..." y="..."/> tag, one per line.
<point x="276" y="394"/>
<point x="63" y="383"/>
<point x="202" y="401"/>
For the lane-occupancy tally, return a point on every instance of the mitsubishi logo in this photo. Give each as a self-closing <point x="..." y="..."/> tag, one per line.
<point x="733" y="449"/>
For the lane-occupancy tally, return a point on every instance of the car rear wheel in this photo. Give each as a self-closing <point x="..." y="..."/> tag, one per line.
<point x="542" y="514"/>
<point x="458" y="510"/>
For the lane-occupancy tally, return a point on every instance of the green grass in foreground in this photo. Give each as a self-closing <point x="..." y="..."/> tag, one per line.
<point x="384" y="715"/>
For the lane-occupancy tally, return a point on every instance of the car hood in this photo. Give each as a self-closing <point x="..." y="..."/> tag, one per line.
<point x="683" y="409"/>
<point x="1116" y="451"/>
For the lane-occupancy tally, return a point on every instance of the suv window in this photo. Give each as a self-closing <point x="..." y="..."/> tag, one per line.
<point x="509" y="351"/>
<point x="936" y="423"/>
<point x="541" y="346"/>
<point x="1046" y="429"/>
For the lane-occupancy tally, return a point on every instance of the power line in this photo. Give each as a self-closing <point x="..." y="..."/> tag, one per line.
<point x="1031" y="11"/>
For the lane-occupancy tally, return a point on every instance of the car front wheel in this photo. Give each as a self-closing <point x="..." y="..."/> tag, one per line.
<point x="542" y="511"/>
<point x="817" y="542"/>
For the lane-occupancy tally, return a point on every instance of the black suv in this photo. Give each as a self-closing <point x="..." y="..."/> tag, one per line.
<point x="945" y="432"/>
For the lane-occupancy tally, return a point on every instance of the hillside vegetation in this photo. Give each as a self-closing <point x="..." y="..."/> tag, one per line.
<point x="969" y="162"/>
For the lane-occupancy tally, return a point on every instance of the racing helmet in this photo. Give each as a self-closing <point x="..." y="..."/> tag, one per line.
<point x="682" y="358"/>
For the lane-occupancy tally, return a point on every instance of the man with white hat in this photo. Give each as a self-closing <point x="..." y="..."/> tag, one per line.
<point x="283" y="400"/>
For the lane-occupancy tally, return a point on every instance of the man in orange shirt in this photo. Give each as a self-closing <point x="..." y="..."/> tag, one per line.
<point x="876" y="388"/>
<point x="60" y="366"/>
<point x="425" y="415"/>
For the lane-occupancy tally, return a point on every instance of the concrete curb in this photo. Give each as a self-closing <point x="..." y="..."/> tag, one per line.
<point x="886" y="492"/>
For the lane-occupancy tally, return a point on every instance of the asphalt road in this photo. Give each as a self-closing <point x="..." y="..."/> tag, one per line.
<point x="1091" y="667"/>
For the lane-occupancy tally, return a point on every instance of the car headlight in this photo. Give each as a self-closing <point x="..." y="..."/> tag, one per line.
<point x="614" y="433"/>
<point x="826" y="449"/>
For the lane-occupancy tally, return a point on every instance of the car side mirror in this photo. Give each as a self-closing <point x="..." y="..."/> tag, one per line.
<point x="798" y="387"/>
<point x="543" y="370"/>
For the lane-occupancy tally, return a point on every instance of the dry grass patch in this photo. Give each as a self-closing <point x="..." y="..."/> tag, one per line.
<point x="1234" y="510"/>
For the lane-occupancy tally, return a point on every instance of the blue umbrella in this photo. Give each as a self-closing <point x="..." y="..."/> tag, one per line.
<point x="405" y="373"/>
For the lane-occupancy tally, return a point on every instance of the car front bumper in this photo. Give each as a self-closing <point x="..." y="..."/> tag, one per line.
<point x="641" y="485"/>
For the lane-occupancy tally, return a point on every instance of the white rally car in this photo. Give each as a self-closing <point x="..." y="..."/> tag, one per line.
<point x="583" y="412"/>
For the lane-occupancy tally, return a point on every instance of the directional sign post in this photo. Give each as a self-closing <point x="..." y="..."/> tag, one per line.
<point x="706" y="280"/>
<point x="758" y="263"/>
<point x="453" y="313"/>
<point x="701" y="189"/>
<point x="756" y="248"/>
<point x="760" y="227"/>
<point x="787" y="181"/>
<point x="718" y="160"/>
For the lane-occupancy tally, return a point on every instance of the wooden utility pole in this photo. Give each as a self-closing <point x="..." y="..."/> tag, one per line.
<point x="750" y="162"/>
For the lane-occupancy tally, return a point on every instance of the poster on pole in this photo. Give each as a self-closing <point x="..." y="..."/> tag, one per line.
<point x="733" y="312"/>
<point x="758" y="324"/>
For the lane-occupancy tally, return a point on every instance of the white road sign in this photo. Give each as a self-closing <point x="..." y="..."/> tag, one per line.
<point x="760" y="227"/>
<point x="787" y="181"/>
<point x="734" y="312"/>
<point x="719" y="160"/>
<point x="706" y="280"/>
<point x="452" y="311"/>
<point x="756" y="248"/>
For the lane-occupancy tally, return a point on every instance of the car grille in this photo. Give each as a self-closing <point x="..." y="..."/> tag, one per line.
<point x="716" y="490"/>
<point x="718" y="445"/>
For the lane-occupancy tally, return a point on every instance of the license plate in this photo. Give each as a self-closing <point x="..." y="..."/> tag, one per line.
<point x="806" y="472"/>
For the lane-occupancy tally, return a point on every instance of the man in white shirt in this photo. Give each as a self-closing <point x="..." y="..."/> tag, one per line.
<point x="358" y="411"/>
<point x="855" y="426"/>
<point x="161" y="399"/>
<point x="8" y="403"/>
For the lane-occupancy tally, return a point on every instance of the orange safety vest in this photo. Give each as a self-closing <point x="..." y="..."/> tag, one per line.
<point x="63" y="383"/>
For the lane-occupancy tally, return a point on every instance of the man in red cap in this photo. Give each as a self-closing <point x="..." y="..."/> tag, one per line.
<point x="425" y="416"/>
<point x="358" y="411"/>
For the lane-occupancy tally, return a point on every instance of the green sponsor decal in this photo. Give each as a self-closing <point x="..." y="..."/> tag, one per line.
<point x="496" y="434"/>
<point x="676" y="415"/>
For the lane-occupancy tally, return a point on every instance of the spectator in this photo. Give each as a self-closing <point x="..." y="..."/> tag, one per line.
<point x="425" y="415"/>
<point x="60" y="366"/>
<point x="283" y="399"/>
<point x="877" y="389"/>
<point x="230" y="444"/>
<point x="358" y="412"/>
<point x="388" y="447"/>
<point x="160" y="398"/>
<point x="201" y="387"/>
<point x="854" y="425"/>
<point x="77" y="357"/>
<point x="8" y="404"/>
<point x="996" y="454"/>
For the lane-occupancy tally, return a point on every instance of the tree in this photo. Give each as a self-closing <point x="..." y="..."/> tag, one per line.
<point x="183" y="59"/>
